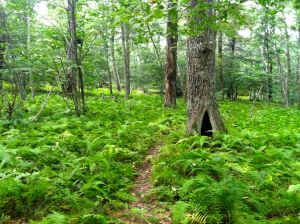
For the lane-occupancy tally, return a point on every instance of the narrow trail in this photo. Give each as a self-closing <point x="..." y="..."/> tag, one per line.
<point x="144" y="210"/>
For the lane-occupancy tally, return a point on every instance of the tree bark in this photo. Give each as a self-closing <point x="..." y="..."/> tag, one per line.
<point x="288" y="57"/>
<point x="171" y="57"/>
<point x="269" y="69"/>
<point x="267" y="55"/>
<point x="283" y="81"/>
<point x="81" y="86"/>
<point x="298" y="58"/>
<point x="2" y="44"/>
<point x="72" y="57"/>
<point x="21" y="83"/>
<point x="113" y="60"/>
<point x="231" y="93"/>
<point x="112" y="46"/>
<point x="2" y="52"/>
<point x="126" y="58"/>
<point x="28" y="49"/>
<point x="108" y="69"/>
<point x="182" y="80"/>
<point x="220" y="63"/>
<point x="203" y="113"/>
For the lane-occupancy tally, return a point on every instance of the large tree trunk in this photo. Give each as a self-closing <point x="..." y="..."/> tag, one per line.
<point x="113" y="60"/>
<point x="126" y="59"/>
<point x="203" y="113"/>
<point x="220" y="63"/>
<point x="171" y="57"/>
<point x="72" y="57"/>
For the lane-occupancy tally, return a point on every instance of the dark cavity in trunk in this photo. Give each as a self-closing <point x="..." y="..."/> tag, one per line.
<point x="206" y="129"/>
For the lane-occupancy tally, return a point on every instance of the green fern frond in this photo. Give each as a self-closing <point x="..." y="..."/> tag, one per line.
<point x="197" y="218"/>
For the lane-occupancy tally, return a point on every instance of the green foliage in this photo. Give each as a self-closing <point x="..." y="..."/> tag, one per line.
<point x="55" y="218"/>
<point x="65" y="168"/>
<point x="91" y="219"/>
<point x="249" y="175"/>
<point x="179" y="212"/>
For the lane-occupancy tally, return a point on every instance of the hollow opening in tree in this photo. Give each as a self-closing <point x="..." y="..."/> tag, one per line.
<point x="206" y="128"/>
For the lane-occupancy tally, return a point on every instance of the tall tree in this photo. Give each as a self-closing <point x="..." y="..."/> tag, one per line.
<point x="203" y="112"/>
<point x="72" y="57"/>
<point x="111" y="20"/>
<point x="2" y="50"/>
<point x="29" y="10"/>
<point x="220" y="63"/>
<point x="288" y="58"/>
<point x="283" y="78"/>
<point x="126" y="58"/>
<point x="2" y="44"/>
<point x="267" y="51"/>
<point x="106" y="49"/>
<point x="297" y="7"/>
<point x="171" y="57"/>
<point x="231" y="93"/>
<point x="113" y="61"/>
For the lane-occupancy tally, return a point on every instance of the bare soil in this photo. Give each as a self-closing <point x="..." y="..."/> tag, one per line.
<point x="145" y="210"/>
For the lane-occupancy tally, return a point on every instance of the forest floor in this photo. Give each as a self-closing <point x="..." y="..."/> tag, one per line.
<point x="144" y="209"/>
<point x="63" y="169"/>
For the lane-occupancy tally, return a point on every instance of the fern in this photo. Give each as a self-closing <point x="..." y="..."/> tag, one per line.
<point x="197" y="218"/>
<point x="54" y="218"/>
<point x="179" y="212"/>
<point x="5" y="159"/>
<point x="83" y="167"/>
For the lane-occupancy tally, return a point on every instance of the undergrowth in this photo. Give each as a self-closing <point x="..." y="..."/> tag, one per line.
<point x="62" y="169"/>
<point x="249" y="175"/>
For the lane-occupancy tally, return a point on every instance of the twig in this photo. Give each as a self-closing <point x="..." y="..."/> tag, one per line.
<point x="43" y="106"/>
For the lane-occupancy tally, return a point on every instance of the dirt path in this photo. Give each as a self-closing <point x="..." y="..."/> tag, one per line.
<point x="144" y="210"/>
